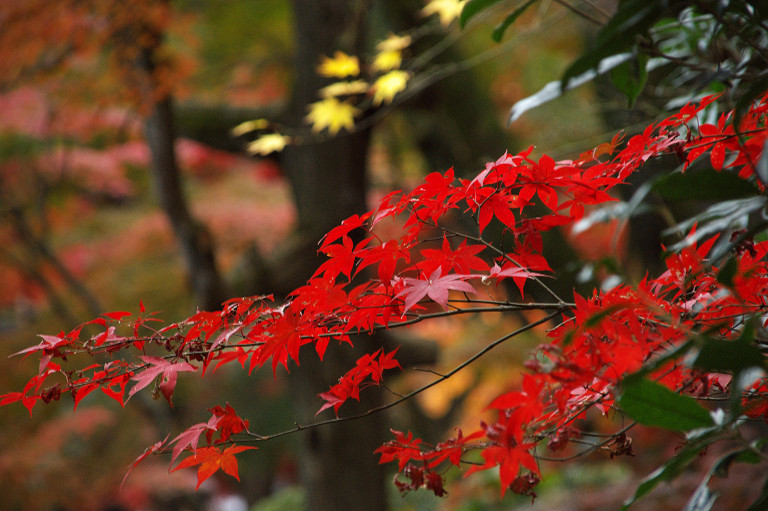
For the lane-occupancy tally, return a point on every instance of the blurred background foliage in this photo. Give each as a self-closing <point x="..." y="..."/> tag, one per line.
<point x="81" y="233"/>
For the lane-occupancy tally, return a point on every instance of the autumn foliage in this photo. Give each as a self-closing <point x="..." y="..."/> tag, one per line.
<point x="645" y="351"/>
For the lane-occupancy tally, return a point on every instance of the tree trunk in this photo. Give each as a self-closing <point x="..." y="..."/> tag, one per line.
<point x="328" y="179"/>
<point x="194" y="239"/>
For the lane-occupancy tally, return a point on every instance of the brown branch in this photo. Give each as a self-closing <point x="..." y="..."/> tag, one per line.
<point x="259" y="438"/>
<point x="39" y="246"/>
<point x="580" y="12"/>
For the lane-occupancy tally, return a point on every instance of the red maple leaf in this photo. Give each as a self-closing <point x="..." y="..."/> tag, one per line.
<point x="541" y="179"/>
<point x="154" y="448"/>
<point x="463" y="258"/>
<point x="211" y="459"/>
<point x="436" y="287"/>
<point x="280" y="339"/>
<point x="499" y="205"/>
<point x="518" y="274"/>
<point x="163" y="368"/>
<point x="403" y="448"/>
<point x="191" y="436"/>
<point x="227" y="423"/>
<point x="508" y="460"/>
<point x="343" y="229"/>
<point x="50" y="346"/>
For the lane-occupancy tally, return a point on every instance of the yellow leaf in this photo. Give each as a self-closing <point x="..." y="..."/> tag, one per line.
<point x="248" y="126"/>
<point x="269" y="143"/>
<point x="344" y="88"/>
<point x="394" y="42"/>
<point x="448" y="10"/>
<point x="387" y="60"/>
<point x="387" y="86"/>
<point x="332" y="114"/>
<point x="339" y="66"/>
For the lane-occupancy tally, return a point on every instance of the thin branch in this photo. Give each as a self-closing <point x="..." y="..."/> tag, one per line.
<point x="593" y="448"/>
<point x="372" y="411"/>
<point x="580" y="12"/>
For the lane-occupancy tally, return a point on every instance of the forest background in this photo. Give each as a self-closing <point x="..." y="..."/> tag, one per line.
<point x="84" y="229"/>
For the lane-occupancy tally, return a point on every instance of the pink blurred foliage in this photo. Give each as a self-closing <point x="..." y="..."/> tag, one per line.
<point x="97" y="171"/>
<point x="242" y="200"/>
<point x="32" y="111"/>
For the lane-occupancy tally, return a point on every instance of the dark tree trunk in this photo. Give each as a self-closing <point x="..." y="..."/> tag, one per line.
<point x="328" y="179"/>
<point x="194" y="239"/>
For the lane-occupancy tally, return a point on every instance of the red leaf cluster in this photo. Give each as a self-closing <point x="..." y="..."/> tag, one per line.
<point x="600" y="340"/>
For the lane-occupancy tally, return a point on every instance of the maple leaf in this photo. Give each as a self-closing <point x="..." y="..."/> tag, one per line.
<point x="499" y="205"/>
<point x="463" y="258"/>
<point x="342" y="229"/>
<point x="227" y="423"/>
<point x="49" y="345"/>
<point x="447" y="10"/>
<point x="518" y="274"/>
<point x="509" y="460"/>
<point x="403" y="448"/>
<point x="269" y="143"/>
<point x="344" y="89"/>
<point x="211" y="459"/>
<point x="248" y="126"/>
<point x="341" y="259"/>
<point x="436" y="287"/>
<point x="339" y="66"/>
<point x="452" y="449"/>
<point x="543" y="175"/>
<point x="11" y="397"/>
<point x="163" y="368"/>
<point x="387" y="60"/>
<point x="154" y="448"/>
<point x="332" y="114"/>
<point x="394" y="42"/>
<point x="191" y="436"/>
<point x="283" y="340"/>
<point x="387" y="86"/>
<point x="335" y="397"/>
<point x="118" y="394"/>
<point x="349" y="385"/>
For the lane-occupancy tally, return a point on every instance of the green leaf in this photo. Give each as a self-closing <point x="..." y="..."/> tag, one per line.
<point x="502" y="27"/>
<point x="702" y="499"/>
<point x="720" y="356"/>
<point x="745" y="455"/>
<point x="755" y="90"/>
<point x="720" y="216"/>
<point x="672" y="354"/>
<point x="761" y="503"/>
<point x="653" y="404"/>
<point x="666" y="472"/>
<point x="727" y="272"/>
<point x="631" y="77"/>
<point x="473" y="7"/>
<point x="634" y="17"/>
<point x="705" y="184"/>
<point x="554" y="90"/>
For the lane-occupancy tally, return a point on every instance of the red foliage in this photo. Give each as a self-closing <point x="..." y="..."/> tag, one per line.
<point x="601" y="340"/>
<point x="211" y="459"/>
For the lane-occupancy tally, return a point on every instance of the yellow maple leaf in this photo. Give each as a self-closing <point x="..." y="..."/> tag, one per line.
<point x="344" y="88"/>
<point x="269" y="143"/>
<point x="248" y="126"/>
<point x="447" y="10"/>
<point x="332" y="114"/>
<point x="339" y="66"/>
<point x="387" y="60"/>
<point x="394" y="42"/>
<point x="387" y="86"/>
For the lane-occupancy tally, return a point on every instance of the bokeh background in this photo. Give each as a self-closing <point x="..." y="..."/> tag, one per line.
<point x="82" y="231"/>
